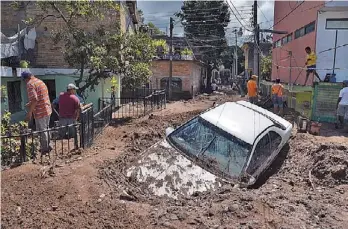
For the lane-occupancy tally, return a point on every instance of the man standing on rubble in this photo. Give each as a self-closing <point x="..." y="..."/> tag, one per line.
<point x="311" y="60"/>
<point x="342" y="105"/>
<point x="252" y="89"/>
<point x="277" y="97"/>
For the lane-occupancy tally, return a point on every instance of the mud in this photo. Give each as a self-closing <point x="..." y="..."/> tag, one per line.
<point x="306" y="187"/>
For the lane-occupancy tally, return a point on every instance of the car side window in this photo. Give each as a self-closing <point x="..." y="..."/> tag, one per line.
<point x="260" y="155"/>
<point x="276" y="139"/>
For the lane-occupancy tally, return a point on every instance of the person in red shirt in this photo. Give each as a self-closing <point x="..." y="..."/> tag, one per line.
<point x="39" y="104"/>
<point x="69" y="110"/>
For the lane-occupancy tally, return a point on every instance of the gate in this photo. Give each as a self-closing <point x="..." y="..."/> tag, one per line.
<point x="324" y="101"/>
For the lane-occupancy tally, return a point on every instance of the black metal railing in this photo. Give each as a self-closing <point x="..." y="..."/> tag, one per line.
<point x="16" y="149"/>
<point x="135" y="107"/>
<point x="103" y="118"/>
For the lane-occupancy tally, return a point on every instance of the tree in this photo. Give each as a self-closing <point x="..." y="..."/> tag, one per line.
<point x="141" y="15"/>
<point x="204" y="26"/>
<point x="266" y="67"/>
<point x="228" y="58"/>
<point x="104" y="52"/>
<point x="156" y="31"/>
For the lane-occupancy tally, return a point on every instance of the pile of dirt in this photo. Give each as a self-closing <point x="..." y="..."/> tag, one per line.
<point x="295" y="191"/>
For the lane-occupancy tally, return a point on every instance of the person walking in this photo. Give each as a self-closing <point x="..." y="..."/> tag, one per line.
<point x="277" y="97"/>
<point x="252" y="89"/>
<point x="311" y="60"/>
<point x="69" y="110"/>
<point x="342" y="105"/>
<point x="39" y="104"/>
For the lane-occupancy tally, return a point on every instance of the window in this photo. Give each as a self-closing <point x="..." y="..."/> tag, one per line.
<point x="337" y="23"/>
<point x="299" y="33"/>
<point x="305" y="30"/>
<point x="14" y="96"/>
<point x="200" y="139"/>
<point x="263" y="150"/>
<point x="176" y="83"/>
<point x="310" y="28"/>
<point x="277" y="44"/>
<point x="286" y="39"/>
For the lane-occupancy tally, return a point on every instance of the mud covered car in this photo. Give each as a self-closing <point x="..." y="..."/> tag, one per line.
<point x="233" y="142"/>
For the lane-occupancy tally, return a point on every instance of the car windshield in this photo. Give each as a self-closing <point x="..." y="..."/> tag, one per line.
<point x="221" y="150"/>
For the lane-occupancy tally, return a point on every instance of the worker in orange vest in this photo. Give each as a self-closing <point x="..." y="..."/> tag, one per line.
<point x="277" y="97"/>
<point x="252" y="89"/>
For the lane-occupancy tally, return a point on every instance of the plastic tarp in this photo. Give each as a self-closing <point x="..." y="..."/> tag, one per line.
<point x="10" y="46"/>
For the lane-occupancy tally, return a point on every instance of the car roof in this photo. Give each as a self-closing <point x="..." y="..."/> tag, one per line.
<point x="242" y="119"/>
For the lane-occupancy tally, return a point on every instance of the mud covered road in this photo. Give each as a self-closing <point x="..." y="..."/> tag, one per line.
<point x="307" y="186"/>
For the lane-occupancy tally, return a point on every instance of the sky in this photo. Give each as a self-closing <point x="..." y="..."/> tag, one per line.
<point x="159" y="12"/>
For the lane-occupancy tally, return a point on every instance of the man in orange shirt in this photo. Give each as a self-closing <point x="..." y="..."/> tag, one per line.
<point x="277" y="97"/>
<point x="39" y="105"/>
<point x="252" y="89"/>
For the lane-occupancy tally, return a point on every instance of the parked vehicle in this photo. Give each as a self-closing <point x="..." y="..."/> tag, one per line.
<point x="231" y="142"/>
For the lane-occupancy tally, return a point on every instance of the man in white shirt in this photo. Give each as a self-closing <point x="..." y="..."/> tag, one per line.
<point x="342" y="105"/>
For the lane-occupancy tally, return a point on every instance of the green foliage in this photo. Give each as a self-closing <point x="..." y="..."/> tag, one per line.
<point x="186" y="51"/>
<point x="10" y="147"/>
<point x="228" y="58"/>
<point x="156" y="31"/>
<point x="24" y="64"/>
<point x="161" y="46"/>
<point x="105" y="51"/>
<point x="208" y="36"/>
<point x="3" y="93"/>
<point x="266" y="67"/>
<point x="137" y="75"/>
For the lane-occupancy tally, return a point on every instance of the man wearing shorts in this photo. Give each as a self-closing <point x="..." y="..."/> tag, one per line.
<point x="342" y="105"/>
<point x="277" y="97"/>
<point x="252" y="89"/>
<point x="311" y="64"/>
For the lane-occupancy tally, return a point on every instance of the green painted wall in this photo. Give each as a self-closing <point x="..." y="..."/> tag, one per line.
<point x="61" y="81"/>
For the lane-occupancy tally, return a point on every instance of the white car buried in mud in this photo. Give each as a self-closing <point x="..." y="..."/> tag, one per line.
<point x="235" y="141"/>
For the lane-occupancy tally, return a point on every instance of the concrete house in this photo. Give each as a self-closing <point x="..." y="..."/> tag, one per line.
<point x="47" y="59"/>
<point x="188" y="73"/>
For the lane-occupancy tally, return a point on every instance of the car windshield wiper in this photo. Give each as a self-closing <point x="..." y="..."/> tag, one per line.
<point x="205" y="148"/>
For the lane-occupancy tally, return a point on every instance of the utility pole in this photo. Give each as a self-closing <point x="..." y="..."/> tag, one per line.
<point x="256" y="41"/>
<point x="171" y="59"/>
<point x="290" y="57"/>
<point x="236" y="55"/>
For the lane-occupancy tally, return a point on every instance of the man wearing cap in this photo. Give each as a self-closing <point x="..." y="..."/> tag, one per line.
<point x="39" y="104"/>
<point x="69" y="109"/>
<point x="252" y="89"/>
<point x="342" y="105"/>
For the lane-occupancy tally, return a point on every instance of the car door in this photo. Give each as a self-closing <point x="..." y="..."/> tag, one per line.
<point x="264" y="153"/>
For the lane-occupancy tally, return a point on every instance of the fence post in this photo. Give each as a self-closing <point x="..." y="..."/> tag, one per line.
<point x="22" y="147"/>
<point x="144" y="106"/>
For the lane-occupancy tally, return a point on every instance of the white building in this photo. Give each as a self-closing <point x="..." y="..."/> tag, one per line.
<point x="332" y="31"/>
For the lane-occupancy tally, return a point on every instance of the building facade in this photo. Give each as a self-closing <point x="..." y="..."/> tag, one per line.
<point x="299" y="20"/>
<point x="46" y="58"/>
<point x="188" y="77"/>
<point x="332" y="40"/>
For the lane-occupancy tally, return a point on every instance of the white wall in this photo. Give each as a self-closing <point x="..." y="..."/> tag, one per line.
<point x="325" y="39"/>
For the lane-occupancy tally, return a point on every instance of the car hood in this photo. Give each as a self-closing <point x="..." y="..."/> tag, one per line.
<point x="166" y="172"/>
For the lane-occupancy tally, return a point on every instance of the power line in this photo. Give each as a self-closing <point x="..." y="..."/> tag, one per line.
<point x="287" y="14"/>
<point x="236" y="16"/>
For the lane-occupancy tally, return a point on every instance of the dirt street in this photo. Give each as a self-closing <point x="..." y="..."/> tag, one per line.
<point x="307" y="186"/>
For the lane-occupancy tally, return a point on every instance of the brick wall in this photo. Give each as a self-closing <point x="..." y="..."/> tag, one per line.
<point x="188" y="71"/>
<point x="47" y="53"/>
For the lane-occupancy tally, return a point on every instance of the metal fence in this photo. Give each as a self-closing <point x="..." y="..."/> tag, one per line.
<point x="135" y="107"/>
<point x="16" y="149"/>
<point x="19" y="148"/>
